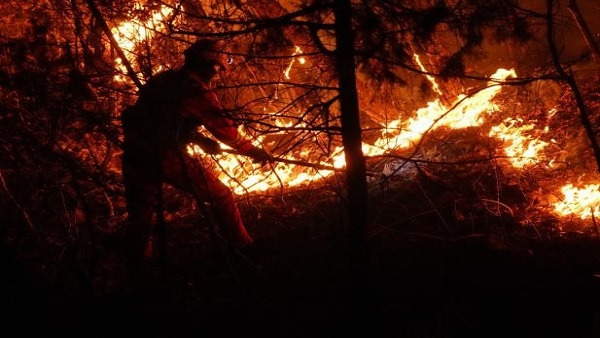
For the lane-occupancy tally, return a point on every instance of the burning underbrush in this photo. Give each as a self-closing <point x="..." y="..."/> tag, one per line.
<point x="479" y="183"/>
<point x="516" y="151"/>
<point x="486" y="155"/>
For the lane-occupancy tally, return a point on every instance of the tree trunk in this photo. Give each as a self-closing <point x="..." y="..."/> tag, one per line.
<point x="352" y="140"/>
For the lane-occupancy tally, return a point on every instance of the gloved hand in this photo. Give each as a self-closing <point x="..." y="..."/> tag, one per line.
<point x="259" y="156"/>
<point x="209" y="146"/>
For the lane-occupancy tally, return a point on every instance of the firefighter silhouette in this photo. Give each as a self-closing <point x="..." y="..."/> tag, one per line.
<point x="157" y="129"/>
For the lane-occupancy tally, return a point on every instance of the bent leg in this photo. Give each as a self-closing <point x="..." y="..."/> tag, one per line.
<point x="142" y="186"/>
<point x="189" y="175"/>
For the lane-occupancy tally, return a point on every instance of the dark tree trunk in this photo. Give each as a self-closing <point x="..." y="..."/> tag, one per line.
<point x="352" y="140"/>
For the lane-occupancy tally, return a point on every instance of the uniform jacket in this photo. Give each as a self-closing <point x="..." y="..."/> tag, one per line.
<point x="168" y="112"/>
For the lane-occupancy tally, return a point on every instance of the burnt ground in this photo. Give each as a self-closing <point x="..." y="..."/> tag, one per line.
<point x="430" y="275"/>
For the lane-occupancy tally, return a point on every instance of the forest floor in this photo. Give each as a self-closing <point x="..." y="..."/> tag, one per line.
<point x="427" y="277"/>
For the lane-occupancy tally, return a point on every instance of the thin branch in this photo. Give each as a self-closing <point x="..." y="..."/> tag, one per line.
<point x="278" y="83"/>
<point x="296" y="162"/>
<point x="585" y="30"/>
<point x="570" y="80"/>
<point x="263" y="23"/>
<point x="115" y="45"/>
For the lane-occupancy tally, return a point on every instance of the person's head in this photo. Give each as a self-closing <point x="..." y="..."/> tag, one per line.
<point x="205" y="57"/>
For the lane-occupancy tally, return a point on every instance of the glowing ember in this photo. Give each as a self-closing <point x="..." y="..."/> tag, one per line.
<point x="129" y="34"/>
<point x="579" y="201"/>
<point x="521" y="148"/>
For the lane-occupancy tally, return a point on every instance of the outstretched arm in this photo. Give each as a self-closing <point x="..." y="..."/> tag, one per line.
<point x="208" y="111"/>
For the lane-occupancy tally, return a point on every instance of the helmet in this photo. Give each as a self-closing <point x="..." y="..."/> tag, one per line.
<point x="207" y="52"/>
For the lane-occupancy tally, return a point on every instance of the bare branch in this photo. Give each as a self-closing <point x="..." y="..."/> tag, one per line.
<point x="570" y="80"/>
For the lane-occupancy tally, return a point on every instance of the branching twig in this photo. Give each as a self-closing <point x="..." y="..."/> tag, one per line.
<point x="585" y="30"/>
<point x="115" y="45"/>
<point x="499" y="204"/>
<point x="570" y="80"/>
<point x="296" y="162"/>
<point x="433" y="205"/>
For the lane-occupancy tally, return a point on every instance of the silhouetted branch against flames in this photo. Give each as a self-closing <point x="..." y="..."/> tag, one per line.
<point x="114" y="44"/>
<point x="283" y="89"/>
<point x="570" y="80"/>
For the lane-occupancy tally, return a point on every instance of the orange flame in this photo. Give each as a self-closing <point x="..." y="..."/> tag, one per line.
<point x="242" y="176"/>
<point x="522" y="149"/>
<point x="583" y="202"/>
<point x="467" y="111"/>
<point x="130" y="33"/>
<point x="237" y="172"/>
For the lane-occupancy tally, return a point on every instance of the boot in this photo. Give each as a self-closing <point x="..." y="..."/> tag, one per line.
<point x="236" y="234"/>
